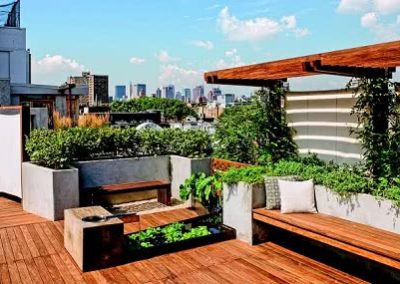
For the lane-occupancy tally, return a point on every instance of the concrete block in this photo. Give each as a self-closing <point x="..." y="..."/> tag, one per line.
<point x="182" y="168"/>
<point x="93" y="245"/>
<point x="239" y="201"/>
<point x="47" y="192"/>
<point x="111" y="171"/>
<point x="361" y="208"/>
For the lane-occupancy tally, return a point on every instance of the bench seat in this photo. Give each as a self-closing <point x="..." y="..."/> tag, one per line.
<point x="163" y="188"/>
<point x="371" y="243"/>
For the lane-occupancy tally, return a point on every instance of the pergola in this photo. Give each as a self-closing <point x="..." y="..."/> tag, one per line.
<point x="371" y="61"/>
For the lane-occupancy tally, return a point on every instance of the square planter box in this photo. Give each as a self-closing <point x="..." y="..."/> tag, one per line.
<point x="47" y="192"/>
<point x="239" y="201"/>
<point x="224" y="233"/>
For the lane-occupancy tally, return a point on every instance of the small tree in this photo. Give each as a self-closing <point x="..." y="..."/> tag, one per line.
<point x="377" y="111"/>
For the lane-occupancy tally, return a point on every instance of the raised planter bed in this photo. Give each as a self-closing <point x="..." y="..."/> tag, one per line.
<point x="217" y="233"/>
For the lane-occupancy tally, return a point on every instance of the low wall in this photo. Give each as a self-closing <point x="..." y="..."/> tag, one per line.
<point x="183" y="168"/>
<point x="47" y="192"/>
<point x="101" y="172"/>
<point x="361" y="208"/>
<point x="239" y="201"/>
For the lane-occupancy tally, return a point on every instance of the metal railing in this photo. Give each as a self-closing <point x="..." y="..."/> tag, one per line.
<point x="10" y="14"/>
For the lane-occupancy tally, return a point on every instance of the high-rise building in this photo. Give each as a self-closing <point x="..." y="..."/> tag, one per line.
<point x="187" y="95"/>
<point x="198" y="92"/>
<point x="158" y="93"/>
<point x="179" y="96"/>
<point x="120" y="92"/>
<point x="140" y="90"/>
<point x="97" y="85"/>
<point x="168" y="92"/>
<point x="226" y="100"/>
<point x="214" y="94"/>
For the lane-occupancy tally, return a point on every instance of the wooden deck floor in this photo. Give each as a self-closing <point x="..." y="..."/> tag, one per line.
<point x="31" y="251"/>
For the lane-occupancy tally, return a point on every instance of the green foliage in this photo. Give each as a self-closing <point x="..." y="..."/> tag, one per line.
<point x="205" y="189"/>
<point x="172" y="233"/>
<point x="250" y="175"/>
<point x="59" y="148"/>
<point x="378" y="114"/>
<point x="172" y="109"/>
<point x="256" y="133"/>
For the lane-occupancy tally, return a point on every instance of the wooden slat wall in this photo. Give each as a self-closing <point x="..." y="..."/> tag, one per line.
<point x="322" y="122"/>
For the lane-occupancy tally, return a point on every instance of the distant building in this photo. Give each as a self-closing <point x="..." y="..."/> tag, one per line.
<point x="197" y="93"/>
<point x="187" y="95"/>
<point x="168" y="92"/>
<point x="120" y="92"/>
<point x="226" y="100"/>
<point x="97" y="86"/>
<point x="158" y="93"/>
<point x="214" y="94"/>
<point x="140" y="90"/>
<point x="179" y="96"/>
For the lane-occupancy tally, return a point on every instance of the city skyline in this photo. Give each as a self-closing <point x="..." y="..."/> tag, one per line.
<point x="201" y="36"/>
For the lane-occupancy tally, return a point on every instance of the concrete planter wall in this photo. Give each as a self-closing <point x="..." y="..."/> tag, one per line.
<point x="239" y="201"/>
<point x="48" y="192"/>
<point x="361" y="208"/>
<point x="110" y="171"/>
<point x="182" y="168"/>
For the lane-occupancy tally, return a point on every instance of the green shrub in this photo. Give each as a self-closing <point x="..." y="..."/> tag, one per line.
<point x="172" y="109"/>
<point x="249" y="175"/>
<point x="59" y="148"/>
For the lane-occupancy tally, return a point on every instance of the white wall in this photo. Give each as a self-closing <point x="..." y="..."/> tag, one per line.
<point x="322" y="121"/>
<point x="14" y="58"/>
<point x="10" y="154"/>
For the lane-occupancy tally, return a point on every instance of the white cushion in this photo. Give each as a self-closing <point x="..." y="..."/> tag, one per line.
<point x="297" y="196"/>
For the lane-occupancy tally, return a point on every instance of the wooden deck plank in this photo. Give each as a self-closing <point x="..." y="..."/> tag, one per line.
<point x="32" y="251"/>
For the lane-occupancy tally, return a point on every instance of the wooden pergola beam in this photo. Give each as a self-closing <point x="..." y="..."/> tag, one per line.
<point x="368" y="72"/>
<point x="244" y="82"/>
<point x="367" y="61"/>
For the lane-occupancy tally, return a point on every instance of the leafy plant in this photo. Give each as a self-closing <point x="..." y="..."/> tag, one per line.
<point x="256" y="133"/>
<point x="205" y="189"/>
<point x="59" y="148"/>
<point x="172" y="109"/>
<point x="251" y="175"/>
<point x="172" y="233"/>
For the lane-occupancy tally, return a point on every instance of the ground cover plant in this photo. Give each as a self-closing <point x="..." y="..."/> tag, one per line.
<point x="172" y="233"/>
<point x="58" y="149"/>
<point x="171" y="109"/>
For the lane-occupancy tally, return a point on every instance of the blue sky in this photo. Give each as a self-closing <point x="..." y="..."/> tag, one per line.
<point x="174" y="41"/>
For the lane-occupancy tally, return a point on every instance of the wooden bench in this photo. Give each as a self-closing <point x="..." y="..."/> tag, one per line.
<point x="358" y="239"/>
<point x="163" y="188"/>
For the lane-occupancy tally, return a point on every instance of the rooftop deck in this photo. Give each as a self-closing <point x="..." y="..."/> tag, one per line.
<point x="32" y="251"/>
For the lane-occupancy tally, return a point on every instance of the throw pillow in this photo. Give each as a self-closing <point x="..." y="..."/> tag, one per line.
<point x="297" y="196"/>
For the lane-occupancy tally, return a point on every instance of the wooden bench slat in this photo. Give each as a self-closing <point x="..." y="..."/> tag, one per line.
<point x="358" y="235"/>
<point x="329" y="241"/>
<point x="142" y="185"/>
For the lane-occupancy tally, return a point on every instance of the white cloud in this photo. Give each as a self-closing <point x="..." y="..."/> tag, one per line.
<point x="383" y="31"/>
<point x="369" y="20"/>
<point x="179" y="76"/>
<point x="231" y="52"/>
<point x="137" y="60"/>
<point x="289" y="21"/>
<point x="253" y="29"/>
<point x="164" y="57"/>
<point x="353" y="6"/>
<point x="232" y="60"/>
<point x="54" y="69"/>
<point x="387" y="6"/>
<point x="203" y="44"/>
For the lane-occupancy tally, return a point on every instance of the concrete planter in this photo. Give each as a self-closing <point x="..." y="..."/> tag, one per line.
<point x="182" y="168"/>
<point x="239" y="201"/>
<point x="47" y="192"/>
<point x="361" y="208"/>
